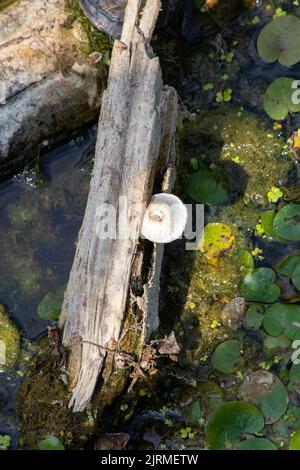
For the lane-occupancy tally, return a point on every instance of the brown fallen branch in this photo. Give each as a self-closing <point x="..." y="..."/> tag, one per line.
<point x="112" y="295"/>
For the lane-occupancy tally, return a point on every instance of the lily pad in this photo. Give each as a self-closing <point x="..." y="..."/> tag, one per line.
<point x="227" y="357"/>
<point x="203" y="187"/>
<point x="230" y="421"/>
<point x="276" y="343"/>
<point x="255" y="443"/>
<point x="211" y="396"/>
<point x="266" y="391"/>
<point x="296" y="277"/>
<point x="280" y="40"/>
<point x="282" y="319"/>
<point x="287" y="266"/>
<point x="267" y="220"/>
<point x="278" y="99"/>
<point x="51" y="443"/>
<point x="287" y="222"/>
<point x="50" y="306"/>
<point x="254" y="317"/>
<point x="193" y="414"/>
<point x="218" y="239"/>
<point x="295" y="441"/>
<point x="259" y="286"/>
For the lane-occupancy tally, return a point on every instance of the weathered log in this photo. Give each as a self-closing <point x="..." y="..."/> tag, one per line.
<point x="111" y="303"/>
<point x="47" y="87"/>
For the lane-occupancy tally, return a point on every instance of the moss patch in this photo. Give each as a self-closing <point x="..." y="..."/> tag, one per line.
<point x="97" y="40"/>
<point x="42" y="406"/>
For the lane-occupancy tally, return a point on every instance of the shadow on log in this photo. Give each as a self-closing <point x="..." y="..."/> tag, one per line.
<point x="111" y="303"/>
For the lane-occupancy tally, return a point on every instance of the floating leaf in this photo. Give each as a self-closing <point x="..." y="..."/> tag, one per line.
<point x="255" y="443"/>
<point x="230" y="421"/>
<point x="278" y="98"/>
<point x="267" y="220"/>
<point x="50" y="306"/>
<point x="295" y="441"/>
<point x="259" y="286"/>
<point x="276" y="343"/>
<point x="211" y="395"/>
<point x="287" y="222"/>
<point x="287" y="265"/>
<point x="280" y="40"/>
<point x="254" y="317"/>
<point x="266" y="391"/>
<point x="193" y="414"/>
<point x="247" y="262"/>
<point x="203" y="187"/>
<point x="282" y="319"/>
<point x="227" y="356"/>
<point x="296" y="277"/>
<point x="51" y="443"/>
<point x="218" y="239"/>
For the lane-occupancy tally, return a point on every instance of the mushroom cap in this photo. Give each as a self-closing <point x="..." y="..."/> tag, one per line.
<point x="165" y="219"/>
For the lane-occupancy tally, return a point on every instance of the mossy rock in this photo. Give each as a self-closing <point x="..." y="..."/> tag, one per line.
<point x="9" y="341"/>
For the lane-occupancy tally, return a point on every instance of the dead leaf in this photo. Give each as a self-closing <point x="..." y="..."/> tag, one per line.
<point x="169" y="345"/>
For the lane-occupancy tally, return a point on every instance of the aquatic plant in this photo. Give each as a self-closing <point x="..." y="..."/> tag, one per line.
<point x="264" y="390"/>
<point x="230" y="421"/>
<point x="282" y="319"/>
<point x="278" y="98"/>
<point x="203" y="187"/>
<point x="227" y="356"/>
<point x="50" y="306"/>
<point x="280" y="40"/>
<point x="260" y="285"/>
<point x="286" y="223"/>
<point x="254" y="317"/>
<point x="51" y="443"/>
<point x="256" y="443"/>
<point x="218" y="239"/>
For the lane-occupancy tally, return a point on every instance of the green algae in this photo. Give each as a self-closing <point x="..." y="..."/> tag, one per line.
<point x="9" y="341"/>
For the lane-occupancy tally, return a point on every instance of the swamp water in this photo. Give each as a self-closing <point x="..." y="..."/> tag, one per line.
<point x="234" y="369"/>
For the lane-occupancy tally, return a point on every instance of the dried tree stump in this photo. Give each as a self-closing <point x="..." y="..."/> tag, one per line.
<point x="111" y="302"/>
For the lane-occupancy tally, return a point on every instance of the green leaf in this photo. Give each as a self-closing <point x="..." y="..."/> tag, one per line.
<point x="230" y="421"/>
<point x="203" y="187"/>
<point x="254" y="317"/>
<point x="278" y="98"/>
<point x="282" y="319"/>
<point x="287" y="266"/>
<point x="287" y="222"/>
<point x="51" y="443"/>
<point x="295" y="441"/>
<point x="227" y="357"/>
<point x="218" y="239"/>
<point x="267" y="220"/>
<point x="259" y="286"/>
<point x="296" y="277"/>
<point x="276" y="343"/>
<point x="193" y="414"/>
<point x="247" y="262"/>
<point x="50" y="306"/>
<point x="280" y="40"/>
<point x="255" y="443"/>
<point x="265" y="390"/>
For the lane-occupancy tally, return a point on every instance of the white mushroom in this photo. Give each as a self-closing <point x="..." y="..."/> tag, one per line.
<point x="165" y="219"/>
